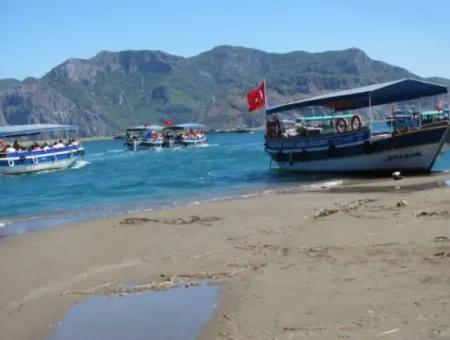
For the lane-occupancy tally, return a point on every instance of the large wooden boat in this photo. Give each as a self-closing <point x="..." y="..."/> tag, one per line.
<point x="340" y="143"/>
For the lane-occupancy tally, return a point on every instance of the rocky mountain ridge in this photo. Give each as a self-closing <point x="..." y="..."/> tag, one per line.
<point x="106" y="93"/>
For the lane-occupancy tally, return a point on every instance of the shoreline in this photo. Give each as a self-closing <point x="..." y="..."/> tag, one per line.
<point x="288" y="262"/>
<point x="57" y="219"/>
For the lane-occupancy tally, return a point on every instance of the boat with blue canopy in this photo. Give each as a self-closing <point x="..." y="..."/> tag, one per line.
<point x="337" y="140"/>
<point x="20" y="153"/>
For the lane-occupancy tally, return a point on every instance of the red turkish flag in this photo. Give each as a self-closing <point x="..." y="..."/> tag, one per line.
<point x="256" y="98"/>
<point x="168" y="122"/>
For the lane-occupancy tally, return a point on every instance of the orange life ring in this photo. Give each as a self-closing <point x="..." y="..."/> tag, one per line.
<point x="341" y="124"/>
<point x="356" y="122"/>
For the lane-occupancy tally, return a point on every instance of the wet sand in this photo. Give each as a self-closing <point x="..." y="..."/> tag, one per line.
<point x="327" y="264"/>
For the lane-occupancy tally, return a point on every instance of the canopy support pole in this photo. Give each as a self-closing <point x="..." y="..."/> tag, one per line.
<point x="332" y="121"/>
<point x="448" y="105"/>
<point x="370" y="109"/>
<point x="420" y="111"/>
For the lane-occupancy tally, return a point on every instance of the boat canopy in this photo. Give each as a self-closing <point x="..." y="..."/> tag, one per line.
<point x="33" y="129"/>
<point x="188" y="126"/>
<point x="146" y="127"/>
<point x="371" y="95"/>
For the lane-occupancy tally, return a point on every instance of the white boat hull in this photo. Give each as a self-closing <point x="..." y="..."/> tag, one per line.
<point x="417" y="158"/>
<point x="46" y="166"/>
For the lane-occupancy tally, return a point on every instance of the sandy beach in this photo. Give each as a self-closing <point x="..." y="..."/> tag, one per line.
<point x="363" y="261"/>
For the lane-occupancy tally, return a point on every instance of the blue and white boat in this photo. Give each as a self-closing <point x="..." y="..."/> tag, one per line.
<point x="27" y="156"/>
<point x="340" y="143"/>
<point x="144" y="137"/>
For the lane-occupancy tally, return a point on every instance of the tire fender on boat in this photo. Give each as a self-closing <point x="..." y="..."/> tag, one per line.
<point x="304" y="155"/>
<point x="341" y="124"/>
<point x="35" y="160"/>
<point x="291" y="158"/>
<point x="368" y="146"/>
<point x="11" y="163"/>
<point x="332" y="149"/>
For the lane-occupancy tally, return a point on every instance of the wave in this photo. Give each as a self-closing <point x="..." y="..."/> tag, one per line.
<point x="80" y="164"/>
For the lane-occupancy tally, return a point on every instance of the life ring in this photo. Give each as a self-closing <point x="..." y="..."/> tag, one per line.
<point x="11" y="163"/>
<point x="341" y="124"/>
<point x="2" y="144"/>
<point x="356" y="122"/>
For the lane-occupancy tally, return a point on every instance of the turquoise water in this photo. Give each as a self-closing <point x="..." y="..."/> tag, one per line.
<point x="110" y="180"/>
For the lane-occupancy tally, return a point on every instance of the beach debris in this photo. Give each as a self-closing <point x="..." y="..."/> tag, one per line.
<point x="401" y="204"/>
<point x="391" y="331"/>
<point x="326" y="212"/>
<point x="226" y="336"/>
<point x="441" y="239"/>
<point x="396" y="175"/>
<point x="209" y="275"/>
<point x="441" y="253"/>
<point x="434" y="213"/>
<point x="136" y="220"/>
<point x="190" y="284"/>
<point x="207" y="220"/>
<point x="358" y="203"/>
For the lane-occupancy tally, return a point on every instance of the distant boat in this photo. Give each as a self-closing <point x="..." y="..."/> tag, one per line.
<point x="399" y="119"/>
<point x="340" y="143"/>
<point x="144" y="137"/>
<point x="119" y="137"/>
<point x="26" y="156"/>
<point x="188" y="134"/>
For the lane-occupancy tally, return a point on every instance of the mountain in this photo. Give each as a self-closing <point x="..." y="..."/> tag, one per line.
<point x="7" y="83"/>
<point x="113" y="90"/>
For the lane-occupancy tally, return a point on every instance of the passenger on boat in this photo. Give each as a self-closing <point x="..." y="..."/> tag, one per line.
<point x="45" y="146"/>
<point x="10" y="149"/>
<point x="58" y="145"/>
<point x="18" y="147"/>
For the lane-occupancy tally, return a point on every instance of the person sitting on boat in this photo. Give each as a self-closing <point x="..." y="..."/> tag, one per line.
<point x="36" y="147"/>
<point x="45" y="146"/>
<point x="58" y="145"/>
<point x="17" y="146"/>
<point x="10" y="149"/>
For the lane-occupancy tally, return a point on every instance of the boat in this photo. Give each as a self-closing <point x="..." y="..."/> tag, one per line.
<point x="144" y="137"/>
<point x="340" y="142"/>
<point x="28" y="156"/>
<point x="188" y="134"/>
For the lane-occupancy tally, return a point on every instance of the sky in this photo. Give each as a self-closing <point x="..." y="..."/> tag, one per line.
<point x="37" y="35"/>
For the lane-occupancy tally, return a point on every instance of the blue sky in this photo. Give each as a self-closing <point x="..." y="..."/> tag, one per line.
<point x="40" y="34"/>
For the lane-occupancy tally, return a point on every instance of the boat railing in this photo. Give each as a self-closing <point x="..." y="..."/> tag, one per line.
<point x="43" y="152"/>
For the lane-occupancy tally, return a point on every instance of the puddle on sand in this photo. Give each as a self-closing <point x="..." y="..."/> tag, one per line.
<point x="176" y="314"/>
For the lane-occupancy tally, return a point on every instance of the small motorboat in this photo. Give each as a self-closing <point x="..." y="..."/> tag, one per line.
<point x="27" y="156"/>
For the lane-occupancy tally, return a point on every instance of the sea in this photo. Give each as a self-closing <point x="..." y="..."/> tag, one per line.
<point x="111" y="180"/>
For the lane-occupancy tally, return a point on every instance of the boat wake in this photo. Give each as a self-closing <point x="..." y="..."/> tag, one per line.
<point x="80" y="164"/>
